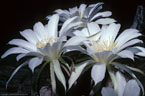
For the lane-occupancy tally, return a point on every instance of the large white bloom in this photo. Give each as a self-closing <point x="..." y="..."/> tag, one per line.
<point x="107" y="46"/>
<point x="36" y="39"/>
<point x="43" y="43"/>
<point x="86" y="13"/>
<point x="111" y="46"/>
<point x="80" y="17"/>
<point x="124" y="88"/>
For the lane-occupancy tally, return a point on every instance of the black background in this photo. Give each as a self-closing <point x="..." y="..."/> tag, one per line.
<point x="17" y="15"/>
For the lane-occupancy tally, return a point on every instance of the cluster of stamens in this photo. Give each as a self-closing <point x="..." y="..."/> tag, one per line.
<point x="103" y="46"/>
<point x="42" y="43"/>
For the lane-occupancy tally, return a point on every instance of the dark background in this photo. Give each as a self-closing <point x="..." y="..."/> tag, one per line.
<point x="18" y="15"/>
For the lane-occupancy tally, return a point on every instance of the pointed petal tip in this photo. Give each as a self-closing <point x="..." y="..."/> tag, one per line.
<point x="2" y="57"/>
<point x="98" y="73"/>
<point x="56" y="16"/>
<point x="5" y="55"/>
<point x="34" y="62"/>
<point x="37" y="23"/>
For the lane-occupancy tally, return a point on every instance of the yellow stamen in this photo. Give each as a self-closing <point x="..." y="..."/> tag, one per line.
<point x="103" y="46"/>
<point x="42" y="43"/>
<point x="52" y="40"/>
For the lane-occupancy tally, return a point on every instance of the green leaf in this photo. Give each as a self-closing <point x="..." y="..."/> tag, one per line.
<point x="135" y="69"/>
<point x="15" y="71"/>
<point x="65" y="63"/>
<point x="58" y="72"/>
<point x="39" y="73"/>
<point x="130" y="72"/>
<point x="76" y="73"/>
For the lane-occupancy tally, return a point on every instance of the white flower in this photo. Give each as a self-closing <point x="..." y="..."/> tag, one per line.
<point x="44" y="44"/>
<point x="80" y="17"/>
<point x="108" y="46"/>
<point x="111" y="46"/>
<point x="86" y="13"/>
<point x="34" y="40"/>
<point x="110" y="43"/>
<point x="124" y="88"/>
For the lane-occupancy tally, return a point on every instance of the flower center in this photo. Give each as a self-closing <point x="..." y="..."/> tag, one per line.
<point x="42" y="43"/>
<point x="104" y="46"/>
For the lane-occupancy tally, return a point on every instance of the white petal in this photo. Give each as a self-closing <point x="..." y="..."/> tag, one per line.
<point x="76" y="73"/>
<point x="102" y="14"/>
<point x="73" y="10"/>
<point x="127" y="35"/>
<point x="134" y="50"/>
<point x="104" y="27"/>
<point x="20" y="56"/>
<point x="105" y="21"/>
<point x="74" y="48"/>
<point x="98" y="72"/>
<point x="57" y="49"/>
<point x="92" y="5"/>
<point x="36" y="54"/>
<point x="48" y="51"/>
<point x="142" y="53"/>
<point x="52" y="52"/>
<point x="48" y="17"/>
<point x="121" y="82"/>
<point x="52" y="77"/>
<point x="15" y="50"/>
<point x="39" y="30"/>
<point x="110" y="33"/>
<point x="63" y="14"/>
<point x="76" y="40"/>
<point x="131" y="89"/>
<point x="82" y="8"/>
<point x="64" y="27"/>
<point x="29" y="35"/>
<point x="87" y="10"/>
<point x="52" y="26"/>
<point x="130" y="43"/>
<point x="60" y="11"/>
<point x="103" y="57"/>
<point x="93" y="28"/>
<point x="34" y="62"/>
<point x="23" y="43"/>
<point x="107" y="91"/>
<point x="94" y="37"/>
<point x="78" y="33"/>
<point x="62" y="38"/>
<point x="95" y="7"/>
<point x="84" y="32"/>
<point x="58" y="72"/>
<point x="15" y="71"/>
<point x="126" y="54"/>
<point x="70" y="28"/>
